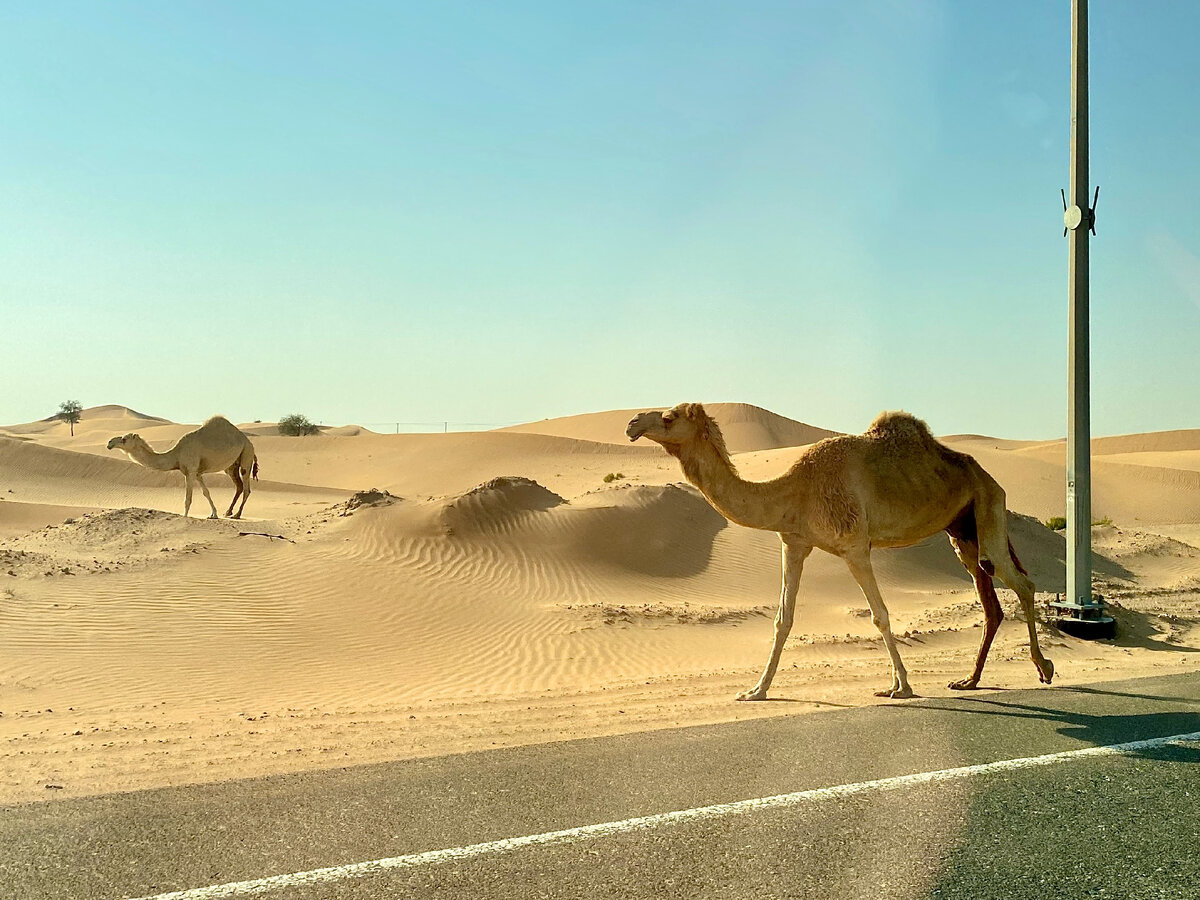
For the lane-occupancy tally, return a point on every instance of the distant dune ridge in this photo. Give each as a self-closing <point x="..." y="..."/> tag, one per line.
<point x="745" y="427"/>
<point x="417" y="594"/>
<point x="110" y="415"/>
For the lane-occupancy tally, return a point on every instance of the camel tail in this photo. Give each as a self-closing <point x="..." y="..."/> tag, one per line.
<point x="1016" y="562"/>
<point x="254" y="473"/>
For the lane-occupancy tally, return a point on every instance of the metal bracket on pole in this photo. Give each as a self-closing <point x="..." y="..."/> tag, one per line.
<point x="1073" y="216"/>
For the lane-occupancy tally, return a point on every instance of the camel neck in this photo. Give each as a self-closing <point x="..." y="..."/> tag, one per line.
<point x="750" y="503"/>
<point x="142" y="453"/>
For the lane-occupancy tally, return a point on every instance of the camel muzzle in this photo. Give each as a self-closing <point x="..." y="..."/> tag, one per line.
<point x="635" y="429"/>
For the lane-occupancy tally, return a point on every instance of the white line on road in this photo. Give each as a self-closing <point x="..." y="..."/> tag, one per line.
<point x="259" y="886"/>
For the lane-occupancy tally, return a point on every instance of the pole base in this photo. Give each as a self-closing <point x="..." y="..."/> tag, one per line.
<point x="1084" y="620"/>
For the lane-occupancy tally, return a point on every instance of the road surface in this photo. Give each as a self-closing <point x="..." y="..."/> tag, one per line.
<point x="991" y="794"/>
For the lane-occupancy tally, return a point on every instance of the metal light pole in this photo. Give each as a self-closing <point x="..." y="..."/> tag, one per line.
<point x="1081" y="611"/>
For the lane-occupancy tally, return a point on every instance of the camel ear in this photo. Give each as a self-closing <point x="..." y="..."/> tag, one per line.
<point x="695" y="412"/>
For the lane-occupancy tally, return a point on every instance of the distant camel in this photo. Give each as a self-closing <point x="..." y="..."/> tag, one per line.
<point x="216" y="446"/>
<point x="892" y="486"/>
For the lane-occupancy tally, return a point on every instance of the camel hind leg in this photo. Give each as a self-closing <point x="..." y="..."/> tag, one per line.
<point x="967" y="551"/>
<point x="234" y="472"/>
<point x="997" y="557"/>
<point x="246" y="466"/>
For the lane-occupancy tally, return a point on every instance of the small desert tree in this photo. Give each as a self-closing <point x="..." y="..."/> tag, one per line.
<point x="70" y="411"/>
<point x="296" y="425"/>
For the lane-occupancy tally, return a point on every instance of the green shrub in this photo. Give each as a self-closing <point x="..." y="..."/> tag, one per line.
<point x="1058" y="523"/>
<point x="612" y="476"/>
<point x="296" y="425"/>
<point x="70" y="411"/>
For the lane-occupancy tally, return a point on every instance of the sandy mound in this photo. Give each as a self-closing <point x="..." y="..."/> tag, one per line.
<point x="508" y="494"/>
<point x="662" y="530"/>
<point x="664" y="613"/>
<point x="496" y="504"/>
<point x="746" y="428"/>
<point x="1152" y="562"/>
<point x="18" y="518"/>
<point x="107" y="542"/>
<point x="372" y="497"/>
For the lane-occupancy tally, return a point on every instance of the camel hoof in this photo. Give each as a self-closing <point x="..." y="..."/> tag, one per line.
<point x="213" y="516"/>
<point x="754" y="694"/>
<point x="967" y="684"/>
<point x="897" y="693"/>
<point x="1046" y="671"/>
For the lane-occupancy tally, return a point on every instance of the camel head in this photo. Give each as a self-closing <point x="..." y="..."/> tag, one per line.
<point x="676" y="428"/>
<point x="123" y="442"/>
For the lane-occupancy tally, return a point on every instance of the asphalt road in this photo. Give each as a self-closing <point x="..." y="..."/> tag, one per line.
<point x="1123" y="825"/>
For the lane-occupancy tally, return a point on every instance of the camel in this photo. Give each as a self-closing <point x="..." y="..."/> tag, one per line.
<point x="892" y="486"/>
<point x="216" y="446"/>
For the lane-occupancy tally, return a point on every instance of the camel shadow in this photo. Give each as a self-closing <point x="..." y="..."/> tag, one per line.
<point x="808" y="702"/>
<point x="1097" y="730"/>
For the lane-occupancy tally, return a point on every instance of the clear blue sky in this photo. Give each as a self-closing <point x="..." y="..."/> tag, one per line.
<point x="492" y="213"/>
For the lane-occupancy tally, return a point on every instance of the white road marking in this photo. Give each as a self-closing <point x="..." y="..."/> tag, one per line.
<point x="259" y="886"/>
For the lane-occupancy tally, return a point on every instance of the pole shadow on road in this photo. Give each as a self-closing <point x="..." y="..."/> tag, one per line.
<point x="1097" y="730"/>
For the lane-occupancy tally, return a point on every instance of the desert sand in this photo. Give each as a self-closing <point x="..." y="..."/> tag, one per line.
<point x="393" y="596"/>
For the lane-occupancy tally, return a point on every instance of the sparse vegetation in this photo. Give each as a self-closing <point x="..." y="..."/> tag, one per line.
<point x="1058" y="523"/>
<point x="70" y="411"/>
<point x="297" y="425"/>
<point x="612" y="476"/>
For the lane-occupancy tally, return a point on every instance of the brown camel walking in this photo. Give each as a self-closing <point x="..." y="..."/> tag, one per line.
<point x="892" y="486"/>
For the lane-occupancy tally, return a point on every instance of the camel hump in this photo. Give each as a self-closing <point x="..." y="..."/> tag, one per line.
<point x="898" y="424"/>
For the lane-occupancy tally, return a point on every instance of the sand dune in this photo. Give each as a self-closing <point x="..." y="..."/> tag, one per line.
<point x="746" y="428"/>
<point x="1151" y="442"/>
<point x="492" y="589"/>
<point x="110" y="416"/>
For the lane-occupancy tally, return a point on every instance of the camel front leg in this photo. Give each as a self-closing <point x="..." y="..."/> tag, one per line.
<point x="187" y="493"/>
<point x="207" y="495"/>
<point x="860" y="568"/>
<point x="793" y="565"/>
